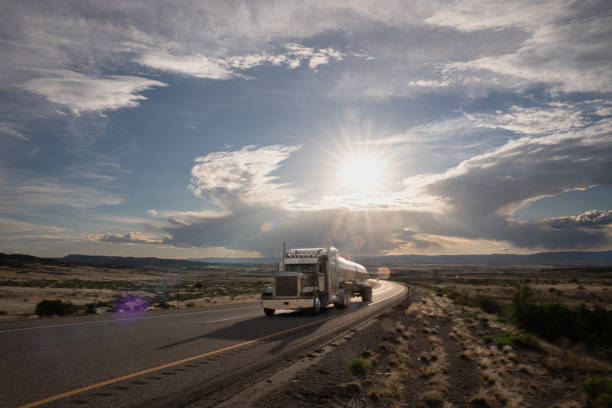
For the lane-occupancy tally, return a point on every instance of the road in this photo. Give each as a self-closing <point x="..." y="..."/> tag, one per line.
<point x="157" y="358"/>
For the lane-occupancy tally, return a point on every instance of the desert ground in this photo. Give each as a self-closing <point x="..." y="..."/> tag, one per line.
<point x="24" y="284"/>
<point x="441" y="349"/>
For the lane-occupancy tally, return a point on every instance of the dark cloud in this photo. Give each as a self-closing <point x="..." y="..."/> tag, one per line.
<point x="127" y="238"/>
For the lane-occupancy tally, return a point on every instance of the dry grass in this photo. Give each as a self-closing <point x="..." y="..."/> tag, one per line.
<point x="27" y="284"/>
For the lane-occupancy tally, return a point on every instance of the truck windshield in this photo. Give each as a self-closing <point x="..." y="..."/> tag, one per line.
<point x="303" y="268"/>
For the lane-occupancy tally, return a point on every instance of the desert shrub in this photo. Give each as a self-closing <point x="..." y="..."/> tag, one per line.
<point x="487" y="303"/>
<point x="554" y="321"/>
<point x="598" y="391"/>
<point x="190" y="304"/>
<point x="359" y="366"/>
<point x="54" y="307"/>
<point x="433" y="398"/>
<point x="515" y="339"/>
<point x="164" y="305"/>
<point x="90" y="308"/>
<point x="3" y="313"/>
<point x="488" y="339"/>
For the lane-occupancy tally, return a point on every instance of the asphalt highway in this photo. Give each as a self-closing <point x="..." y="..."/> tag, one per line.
<point x="157" y="358"/>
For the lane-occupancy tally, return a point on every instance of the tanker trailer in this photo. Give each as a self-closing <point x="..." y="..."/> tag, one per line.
<point x="314" y="278"/>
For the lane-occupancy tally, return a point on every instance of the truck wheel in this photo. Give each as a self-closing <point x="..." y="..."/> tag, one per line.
<point x="324" y="303"/>
<point x="316" y="305"/>
<point x="347" y="299"/>
<point x="269" y="312"/>
<point x="341" y="303"/>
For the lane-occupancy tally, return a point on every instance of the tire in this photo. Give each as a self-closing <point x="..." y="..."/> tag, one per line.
<point x="366" y="294"/>
<point x="316" y="304"/>
<point x="324" y="303"/>
<point x="269" y="312"/>
<point x="340" y="304"/>
<point x="347" y="299"/>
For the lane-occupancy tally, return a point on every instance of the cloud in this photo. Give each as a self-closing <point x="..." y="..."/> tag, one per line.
<point x="554" y="117"/>
<point x="472" y="15"/>
<point x="127" y="238"/>
<point x="82" y="93"/>
<point x="9" y="226"/>
<point x="323" y="56"/>
<point x="568" y="46"/>
<point x="9" y="129"/>
<point x="244" y="174"/>
<point x="52" y="192"/>
<point x="200" y="66"/>
<point x="153" y="213"/>
<point x="591" y="219"/>
<point x="197" y="66"/>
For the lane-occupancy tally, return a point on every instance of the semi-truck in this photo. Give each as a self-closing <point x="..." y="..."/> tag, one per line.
<point x="314" y="278"/>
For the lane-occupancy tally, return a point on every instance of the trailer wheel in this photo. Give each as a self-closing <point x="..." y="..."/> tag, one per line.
<point x="269" y="312"/>
<point x="366" y="294"/>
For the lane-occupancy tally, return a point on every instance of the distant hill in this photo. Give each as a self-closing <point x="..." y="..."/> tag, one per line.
<point x="268" y="260"/>
<point x="565" y="258"/>
<point x="131" y="262"/>
<point x="570" y="258"/>
<point x="560" y="258"/>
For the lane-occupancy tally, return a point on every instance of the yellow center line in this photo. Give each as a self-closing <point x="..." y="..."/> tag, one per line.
<point x="161" y="367"/>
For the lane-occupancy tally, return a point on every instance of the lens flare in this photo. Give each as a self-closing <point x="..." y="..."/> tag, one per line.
<point x="383" y="272"/>
<point x="132" y="306"/>
<point x="267" y="226"/>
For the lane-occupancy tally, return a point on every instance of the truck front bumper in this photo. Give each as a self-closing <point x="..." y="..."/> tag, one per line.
<point x="288" y="304"/>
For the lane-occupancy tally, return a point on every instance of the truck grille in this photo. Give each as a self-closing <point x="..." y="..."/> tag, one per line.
<point x="286" y="286"/>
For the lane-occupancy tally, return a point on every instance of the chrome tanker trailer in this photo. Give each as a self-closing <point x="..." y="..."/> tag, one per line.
<point x="314" y="278"/>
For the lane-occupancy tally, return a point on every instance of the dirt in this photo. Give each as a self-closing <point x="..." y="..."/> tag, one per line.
<point x="24" y="285"/>
<point x="431" y="354"/>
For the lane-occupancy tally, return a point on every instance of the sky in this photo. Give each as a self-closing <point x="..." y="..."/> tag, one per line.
<point x="222" y="128"/>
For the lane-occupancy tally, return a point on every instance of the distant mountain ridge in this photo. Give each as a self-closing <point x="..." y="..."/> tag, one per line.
<point x="565" y="258"/>
<point x="571" y="258"/>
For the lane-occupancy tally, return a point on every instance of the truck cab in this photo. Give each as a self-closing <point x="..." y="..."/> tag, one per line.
<point x="309" y="278"/>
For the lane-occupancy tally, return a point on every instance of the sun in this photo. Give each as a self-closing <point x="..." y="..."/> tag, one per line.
<point x="361" y="175"/>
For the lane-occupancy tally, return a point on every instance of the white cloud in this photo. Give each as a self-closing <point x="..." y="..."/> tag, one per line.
<point x="244" y="173"/>
<point x="323" y="56"/>
<point x="554" y="117"/>
<point x="201" y="66"/>
<point x="153" y="213"/>
<point x="81" y="93"/>
<point x="198" y="66"/>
